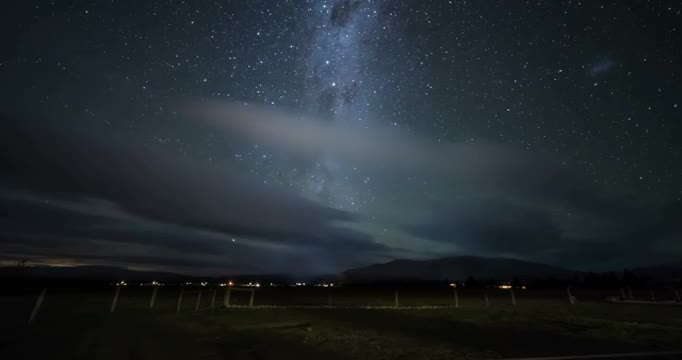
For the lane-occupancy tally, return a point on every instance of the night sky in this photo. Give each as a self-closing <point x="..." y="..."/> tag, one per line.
<point x="299" y="136"/>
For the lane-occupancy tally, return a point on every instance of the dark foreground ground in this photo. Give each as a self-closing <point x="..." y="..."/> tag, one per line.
<point x="79" y="326"/>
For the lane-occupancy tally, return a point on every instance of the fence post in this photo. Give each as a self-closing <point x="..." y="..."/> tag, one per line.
<point x="622" y="294"/>
<point x="395" y="298"/>
<point x="227" y="296"/>
<point x="653" y="296"/>
<point x="38" y="304"/>
<point x="198" y="301"/>
<point x="182" y="291"/>
<point x="213" y="298"/>
<point x="513" y="299"/>
<point x="253" y="294"/>
<point x="456" y="299"/>
<point x="630" y="293"/>
<point x="152" y="301"/>
<point x="115" y="301"/>
<point x="570" y="296"/>
<point x="485" y="300"/>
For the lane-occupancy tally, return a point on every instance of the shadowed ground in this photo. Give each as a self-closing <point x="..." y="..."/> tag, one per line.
<point x="79" y="326"/>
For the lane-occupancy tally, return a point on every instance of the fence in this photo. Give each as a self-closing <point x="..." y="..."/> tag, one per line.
<point x="26" y="308"/>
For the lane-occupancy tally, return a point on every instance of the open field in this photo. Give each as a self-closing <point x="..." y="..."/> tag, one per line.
<point x="76" y="325"/>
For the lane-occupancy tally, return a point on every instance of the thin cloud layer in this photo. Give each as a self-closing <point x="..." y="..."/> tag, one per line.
<point x="494" y="200"/>
<point x="70" y="189"/>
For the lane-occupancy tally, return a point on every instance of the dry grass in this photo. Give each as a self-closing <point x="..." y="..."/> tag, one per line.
<point x="77" y="326"/>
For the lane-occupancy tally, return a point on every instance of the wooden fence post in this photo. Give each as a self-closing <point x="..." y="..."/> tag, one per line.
<point x="622" y="294"/>
<point x="253" y="294"/>
<point x="182" y="291"/>
<point x="395" y="298"/>
<point x="152" y="301"/>
<point x="485" y="300"/>
<point x="630" y="293"/>
<point x="213" y="298"/>
<point x="115" y="301"/>
<point x="513" y="299"/>
<point x="227" y="296"/>
<point x="36" y="307"/>
<point x="198" y="301"/>
<point x="570" y="296"/>
<point x="456" y="299"/>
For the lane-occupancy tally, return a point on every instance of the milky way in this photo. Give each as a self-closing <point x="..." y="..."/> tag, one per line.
<point x="310" y="136"/>
<point x="339" y="90"/>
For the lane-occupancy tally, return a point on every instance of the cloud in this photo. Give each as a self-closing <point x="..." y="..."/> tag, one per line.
<point x="527" y="231"/>
<point x="486" y="227"/>
<point x="480" y="167"/>
<point x="82" y="231"/>
<point x="384" y="149"/>
<point x="62" y="189"/>
<point x="70" y="192"/>
<point x="492" y="199"/>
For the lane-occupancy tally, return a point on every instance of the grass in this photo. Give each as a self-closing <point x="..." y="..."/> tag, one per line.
<point x="79" y="326"/>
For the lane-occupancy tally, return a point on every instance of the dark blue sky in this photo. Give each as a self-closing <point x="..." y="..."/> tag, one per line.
<point x="310" y="136"/>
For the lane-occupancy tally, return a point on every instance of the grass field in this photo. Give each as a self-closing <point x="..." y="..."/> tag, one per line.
<point x="75" y="325"/>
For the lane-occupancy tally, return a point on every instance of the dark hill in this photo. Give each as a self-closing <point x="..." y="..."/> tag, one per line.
<point x="455" y="268"/>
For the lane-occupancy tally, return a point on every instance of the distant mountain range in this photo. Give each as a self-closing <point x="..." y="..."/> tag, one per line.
<point x="455" y="268"/>
<point x="103" y="273"/>
<point x="667" y="271"/>
<point x="448" y="268"/>
<point x="115" y="274"/>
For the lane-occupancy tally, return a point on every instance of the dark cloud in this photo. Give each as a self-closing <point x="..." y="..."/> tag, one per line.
<point x="492" y="227"/>
<point x="501" y="201"/>
<point x="62" y="190"/>
<point x="77" y="231"/>
<point x="71" y="190"/>
<point x="495" y="228"/>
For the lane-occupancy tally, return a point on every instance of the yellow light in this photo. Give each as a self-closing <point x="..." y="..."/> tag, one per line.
<point x="454" y="285"/>
<point x="231" y="283"/>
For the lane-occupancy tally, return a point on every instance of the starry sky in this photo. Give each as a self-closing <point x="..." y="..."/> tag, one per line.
<point x="310" y="136"/>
